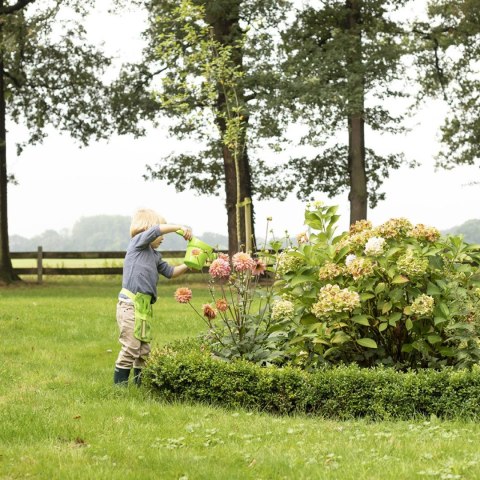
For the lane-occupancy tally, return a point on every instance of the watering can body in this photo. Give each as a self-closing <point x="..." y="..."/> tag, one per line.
<point x="198" y="253"/>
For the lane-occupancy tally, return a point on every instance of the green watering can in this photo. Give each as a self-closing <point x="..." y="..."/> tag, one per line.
<point x="197" y="253"/>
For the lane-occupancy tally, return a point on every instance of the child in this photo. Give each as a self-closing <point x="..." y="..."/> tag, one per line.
<point x="141" y="270"/>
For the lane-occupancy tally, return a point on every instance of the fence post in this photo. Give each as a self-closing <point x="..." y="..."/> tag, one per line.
<point x="39" y="264"/>
<point x="248" y="224"/>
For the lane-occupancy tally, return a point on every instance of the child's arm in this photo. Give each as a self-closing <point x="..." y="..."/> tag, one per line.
<point x="179" y="270"/>
<point x="167" y="228"/>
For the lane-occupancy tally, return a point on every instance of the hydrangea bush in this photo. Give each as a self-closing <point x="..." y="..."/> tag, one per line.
<point x="396" y="294"/>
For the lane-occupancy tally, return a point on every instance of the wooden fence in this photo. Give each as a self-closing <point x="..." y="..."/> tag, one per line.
<point x="40" y="270"/>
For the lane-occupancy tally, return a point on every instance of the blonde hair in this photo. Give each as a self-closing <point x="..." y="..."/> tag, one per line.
<point x="143" y="219"/>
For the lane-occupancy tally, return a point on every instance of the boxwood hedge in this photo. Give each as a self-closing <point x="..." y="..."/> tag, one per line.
<point x="187" y="371"/>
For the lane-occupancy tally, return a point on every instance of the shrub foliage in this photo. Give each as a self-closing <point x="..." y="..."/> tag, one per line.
<point x="397" y="294"/>
<point x="186" y="371"/>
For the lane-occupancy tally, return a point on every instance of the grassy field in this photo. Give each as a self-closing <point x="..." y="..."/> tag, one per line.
<point x="61" y="417"/>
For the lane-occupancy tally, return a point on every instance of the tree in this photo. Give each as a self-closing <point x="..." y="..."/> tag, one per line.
<point x="342" y="62"/>
<point x="49" y="75"/>
<point x="198" y="62"/>
<point x="447" y="49"/>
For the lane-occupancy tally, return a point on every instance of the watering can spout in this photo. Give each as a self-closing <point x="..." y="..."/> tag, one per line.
<point x="197" y="253"/>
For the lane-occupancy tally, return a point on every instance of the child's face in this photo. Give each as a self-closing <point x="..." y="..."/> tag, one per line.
<point x="157" y="242"/>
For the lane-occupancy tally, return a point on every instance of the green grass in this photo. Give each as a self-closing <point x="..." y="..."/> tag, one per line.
<point x="61" y="417"/>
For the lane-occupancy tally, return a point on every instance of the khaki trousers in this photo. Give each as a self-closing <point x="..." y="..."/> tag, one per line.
<point x="133" y="352"/>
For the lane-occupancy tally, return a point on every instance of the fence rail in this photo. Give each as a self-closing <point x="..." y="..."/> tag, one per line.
<point x="40" y="270"/>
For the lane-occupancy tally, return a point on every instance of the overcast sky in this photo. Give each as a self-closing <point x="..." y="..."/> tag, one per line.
<point x="59" y="182"/>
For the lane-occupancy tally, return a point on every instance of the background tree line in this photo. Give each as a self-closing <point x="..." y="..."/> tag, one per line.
<point x="106" y="233"/>
<point x="109" y="233"/>
<point x="235" y="75"/>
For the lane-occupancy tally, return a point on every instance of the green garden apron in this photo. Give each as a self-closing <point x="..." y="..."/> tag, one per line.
<point x="143" y="314"/>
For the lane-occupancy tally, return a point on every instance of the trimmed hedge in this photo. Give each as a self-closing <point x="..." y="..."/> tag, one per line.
<point x="187" y="371"/>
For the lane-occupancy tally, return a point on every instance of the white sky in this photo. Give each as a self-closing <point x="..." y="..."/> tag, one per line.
<point x="61" y="182"/>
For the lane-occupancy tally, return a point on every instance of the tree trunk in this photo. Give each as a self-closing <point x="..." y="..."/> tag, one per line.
<point x="7" y="274"/>
<point x="227" y="31"/>
<point x="358" y="195"/>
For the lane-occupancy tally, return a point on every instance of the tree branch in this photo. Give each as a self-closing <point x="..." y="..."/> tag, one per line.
<point x="16" y="7"/>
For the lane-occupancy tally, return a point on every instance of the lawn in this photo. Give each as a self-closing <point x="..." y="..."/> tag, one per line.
<point x="61" y="417"/>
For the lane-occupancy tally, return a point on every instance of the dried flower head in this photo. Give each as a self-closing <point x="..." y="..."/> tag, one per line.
<point x="422" y="232"/>
<point x="360" y="226"/>
<point x="302" y="237"/>
<point x="242" y="262"/>
<point x="222" y="305"/>
<point x="333" y="299"/>
<point x="395" y="227"/>
<point x="329" y="271"/>
<point x="360" y="267"/>
<point x="259" y="268"/>
<point x="208" y="311"/>
<point x="220" y="268"/>
<point x="183" y="295"/>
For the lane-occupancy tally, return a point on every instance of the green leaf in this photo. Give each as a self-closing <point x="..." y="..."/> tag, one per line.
<point x="380" y="288"/>
<point x="366" y="296"/>
<point x="361" y="319"/>
<point x="383" y="326"/>
<point x="432" y="289"/>
<point x="329" y="351"/>
<point x="301" y="279"/>
<point x="367" y="342"/>
<point x="340" y="337"/>
<point x="439" y="320"/>
<point x="394" y="318"/>
<point x="409" y="324"/>
<point x="387" y="306"/>
<point x="444" y="309"/>
<point x="434" y="339"/>
<point x="400" y="279"/>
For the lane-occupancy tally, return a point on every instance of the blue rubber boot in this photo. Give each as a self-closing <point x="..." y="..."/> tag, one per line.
<point x="120" y="376"/>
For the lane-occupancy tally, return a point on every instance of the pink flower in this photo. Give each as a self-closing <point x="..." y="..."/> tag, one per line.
<point x="183" y="295"/>
<point x="220" y="268"/>
<point x="222" y="305"/>
<point x="224" y="256"/>
<point x="243" y="261"/>
<point x="196" y="252"/>
<point x="209" y="312"/>
<point x="259" y="267"/>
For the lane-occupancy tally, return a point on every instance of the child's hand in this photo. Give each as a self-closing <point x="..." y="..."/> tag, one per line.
<point x="187" y="233"/>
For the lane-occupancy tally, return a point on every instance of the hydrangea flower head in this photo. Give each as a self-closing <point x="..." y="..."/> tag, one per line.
<point x="423" y="305"/>
<point x="422" y="232"/>
<point x="374" y="246"/>
<point x="283" y="310"/>
<point x="332" y="299"/>
<point x="350" y="258"/>
<point x="329" y="271"/>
